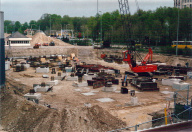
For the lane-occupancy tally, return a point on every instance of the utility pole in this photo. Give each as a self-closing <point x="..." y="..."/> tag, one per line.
<point x="177" y="33"/>
<point x="101" y="26"/>
<point x="32" y="29"/>
<point x="2" y="51"/>
<point x="50" y="24"/>
<point x="97" y="6"/>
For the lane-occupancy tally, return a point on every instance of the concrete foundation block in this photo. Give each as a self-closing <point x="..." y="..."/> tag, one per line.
<point x="7" y="65"/>
<point x="88" y="76"/>
<point x="45" y="76"/>
<point x="38" y="88"/>
<point x="26" y="66"/>
<point x="59" y="77"/>
<point x="69" y="78"/>
<point x="180" y="86"/>
<point x="134" y="100"/>
<point x="64" y="74"/>
<point x="33" y="96"/>
<point x="109" y="71"/>
<point x="82" y="84"/>
<point x="159" y="64"/>
<point x="109" y="89"/>
<point x="170" y="82"/>
<point x="68" y="69"/>
<point x="42" y="70"/>
<point x="189" y="74"/>
<point x="53" y="83"/>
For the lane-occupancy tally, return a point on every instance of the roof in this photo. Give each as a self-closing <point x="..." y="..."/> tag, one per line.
<point x="17" y="35"/>
<point x="6" y="35"/>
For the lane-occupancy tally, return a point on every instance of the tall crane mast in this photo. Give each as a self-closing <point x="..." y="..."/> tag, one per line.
<point x="125" y="15"/>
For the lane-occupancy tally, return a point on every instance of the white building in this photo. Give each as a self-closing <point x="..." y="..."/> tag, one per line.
<point x="183" y="3"/>
<point x="17" y="39"/>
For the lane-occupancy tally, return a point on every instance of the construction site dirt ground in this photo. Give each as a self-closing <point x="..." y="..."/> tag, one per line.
<point x="64" y="95"/>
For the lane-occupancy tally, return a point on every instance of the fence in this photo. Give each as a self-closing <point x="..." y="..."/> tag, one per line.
<point x="176" y="116"/>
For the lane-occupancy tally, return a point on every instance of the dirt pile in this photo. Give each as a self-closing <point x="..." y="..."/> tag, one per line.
<point x="18" y="114"/>
<point x="40" y="37"/>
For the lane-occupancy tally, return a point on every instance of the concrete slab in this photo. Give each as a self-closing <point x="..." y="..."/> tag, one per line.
<point x="53" y="83"/>
<point x="88" y="94"/>
<point x="94" y="91"/>
<point x="159" y="64"/>
<point x="134" y="100"/>
<point x="68" y="69"/>
<point x="33" y="96"/>
<point x="59" y="77"/>
<point x="45" y="76"/>
<point x="109" y="71"/>
<point x="105" y="100"/>
<point x="69" y="78"/>
<point x="170" y="82"/>
<point x="87" y="105"/>
<point x="7" y="65"/>
<point x="26" y="66"/>
<point x="87" y="88"/>
<point x="16" y="79"/>
<point x="180" y="86"/>
<point x="117" y="91"/>
<point x="38" y="88"/>
<point x="166" y="92"/>
<point x="42" y="70"/>
<point x="78" y="90"/>
<point x="82" y="84"/>
<point x="109" y="89"/>
<point x="189" y="74"/>
<point x="137" y="92"/>
<point x="88" y="76"/>
<point x="64" y="74"/>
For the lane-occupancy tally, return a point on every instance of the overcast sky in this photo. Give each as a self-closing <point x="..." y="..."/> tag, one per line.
<point x="26" y="10"/>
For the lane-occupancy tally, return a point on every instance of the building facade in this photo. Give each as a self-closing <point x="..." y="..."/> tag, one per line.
<point x="17" y="39"/>
<point x="183" y="3"/>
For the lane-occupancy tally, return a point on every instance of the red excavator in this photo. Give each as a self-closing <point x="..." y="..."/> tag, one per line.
<point x="129" y="56"/>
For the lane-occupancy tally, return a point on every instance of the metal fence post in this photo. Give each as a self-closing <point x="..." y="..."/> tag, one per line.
<point x="136" y="127"/>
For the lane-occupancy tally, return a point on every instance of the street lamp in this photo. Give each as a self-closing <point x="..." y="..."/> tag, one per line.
<point x="97" y="7"/>
<point x="31" y="28"/>
<point x="39" y="28"/>
<point x="61" y="30"/>
<point x="83" y="31"/>
<point x="101" y="25"/>
<point x="112" y="34"/>
<point x="50" y="24"/>
<point x="66" y="29"/>
<point x="66" y="26"/>
<point x="177" y="33"/>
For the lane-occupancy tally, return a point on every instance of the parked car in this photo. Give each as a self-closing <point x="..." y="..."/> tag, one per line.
<point x="51" y="43"/>
<point x="38" y="44"/>
<point x="45" y="44"/>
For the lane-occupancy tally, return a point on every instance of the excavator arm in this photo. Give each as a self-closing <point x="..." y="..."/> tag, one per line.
<point x="148" y="57"/>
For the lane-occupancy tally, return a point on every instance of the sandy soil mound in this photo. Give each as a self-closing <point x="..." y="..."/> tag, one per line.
<point x="42" y="38"/>
<point x="18" y="114"/>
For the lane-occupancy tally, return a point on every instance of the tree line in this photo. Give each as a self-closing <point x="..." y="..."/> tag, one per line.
<point x="157" y="27"/>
